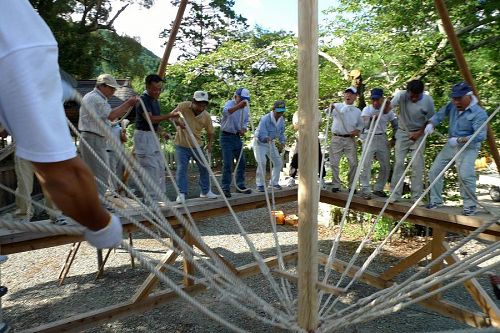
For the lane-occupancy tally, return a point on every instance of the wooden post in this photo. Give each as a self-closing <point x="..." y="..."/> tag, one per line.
<point x="308" y="195"/>
<point x="464" y="69"/>
<point x="171" y="38"/>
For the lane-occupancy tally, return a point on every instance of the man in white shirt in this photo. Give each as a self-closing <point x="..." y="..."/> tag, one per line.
<point x="379" y="147"/>
<point x="346" y="126"/>
<point x="415" y="110"/>
<point x="30" y="89"/>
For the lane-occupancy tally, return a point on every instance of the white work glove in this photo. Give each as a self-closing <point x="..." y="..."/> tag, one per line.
<point x="108" y="237"/>
<point x="429" y="128"/>
<point x="453" y="142"/>
<point x="69" y="93"/>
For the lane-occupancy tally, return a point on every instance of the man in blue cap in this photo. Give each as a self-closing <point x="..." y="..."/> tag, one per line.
<point x="234" y="125"/>
<point x="271" y="128"/>
<point x="465" y="116"/>
<point x="379" y="147"/>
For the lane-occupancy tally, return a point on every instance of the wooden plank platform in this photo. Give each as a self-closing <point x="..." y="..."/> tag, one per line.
<point x="446" y="217"/>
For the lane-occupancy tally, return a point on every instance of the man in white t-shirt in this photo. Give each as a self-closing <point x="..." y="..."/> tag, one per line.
<point x="31" y="110"/>
<point x="415" y="110"/>
<point x="346" y="126"/>
<point x="379" y="147"/>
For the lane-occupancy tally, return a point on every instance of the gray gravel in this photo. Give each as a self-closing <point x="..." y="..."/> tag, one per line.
<point x="35" y="298"/>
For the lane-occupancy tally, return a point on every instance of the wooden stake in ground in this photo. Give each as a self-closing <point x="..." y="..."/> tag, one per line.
<point x="464" y="69"/>
<point x="308" y="180"/>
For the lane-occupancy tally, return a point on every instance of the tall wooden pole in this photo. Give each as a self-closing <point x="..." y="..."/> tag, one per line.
<point x="171" y="38"/>
<point x="308" y="159"/>
<point x="464" y="68"/>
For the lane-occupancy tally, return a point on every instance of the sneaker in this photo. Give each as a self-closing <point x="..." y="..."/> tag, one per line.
<point x="181" y="198"/>
<point x="335" y="190"/>
<point x="355" y="191"/>
<point x="432" y="205"/>
<point x="276" y="187"/>
<point x="290" y="182"/>
<point x="366" y="196"/>
<point x="381" y="194"/>
<point x="261" y="188"/>
<point x="470" y="211"/>
<point x="244" y="190"/>
<point x="60" y="220"/>
<point x="227" y="193"/>
<point x="209" y="195"/>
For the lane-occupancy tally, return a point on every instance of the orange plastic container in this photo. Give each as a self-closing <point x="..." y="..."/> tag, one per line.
<point x="279" y="216"/>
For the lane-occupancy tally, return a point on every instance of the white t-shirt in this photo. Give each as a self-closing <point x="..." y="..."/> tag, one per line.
<point x="30" y="85"/>
<point x="346" y="119"/>
<point x="369" y="111"/>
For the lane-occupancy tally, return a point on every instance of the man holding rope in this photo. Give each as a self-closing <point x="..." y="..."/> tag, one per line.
<point x="234" y="125"/>
<point x="147" y="150"/>
<point x="346" y="125"/>
<point x="415" y="110"/>
<point x="465" y="116"/>
<point x="271" y="128"/>
<point x="95" y="106"/>
<point x="188" y="141"/>
<point x="379" y="147"/>
<point x="28" y="63"/>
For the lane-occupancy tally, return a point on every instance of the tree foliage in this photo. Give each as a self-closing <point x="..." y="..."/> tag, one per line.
<point x="206" y="26"/>
<point x="92" y="38"/>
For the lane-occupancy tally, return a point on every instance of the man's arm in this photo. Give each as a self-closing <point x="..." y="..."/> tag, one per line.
<point x="75" y="193"/>
<point x="123" y="108"/>
<point x="235" y="108"/>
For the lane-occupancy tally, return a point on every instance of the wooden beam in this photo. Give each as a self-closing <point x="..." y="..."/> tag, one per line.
<point x="437" y="250"/>
<point x="464" y="68"/>
<point x="171" y="39"/>
<point x="90" y="319"/>
<point x="308" y="305"/>
<point x="477" y="292"/>
<point x="457" y="312"/>
<point x="367" y="277"/>
<point x="406" y="263"/>
<point x="152" y="281"/>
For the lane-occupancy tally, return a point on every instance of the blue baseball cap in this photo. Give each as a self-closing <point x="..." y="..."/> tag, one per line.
<point x="243" y="93"/>
<point x="376" y="93"/>
<point x="279" y="106"/>
<point x="460" y="89"/>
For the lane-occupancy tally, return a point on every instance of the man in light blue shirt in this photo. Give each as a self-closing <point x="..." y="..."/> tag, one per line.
<point x="233" y="127"/>
<point x="465" y="116"/>
<point x="271" y="128"/>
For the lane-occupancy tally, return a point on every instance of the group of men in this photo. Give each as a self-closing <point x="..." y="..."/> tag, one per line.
<point x="415" y="120"/>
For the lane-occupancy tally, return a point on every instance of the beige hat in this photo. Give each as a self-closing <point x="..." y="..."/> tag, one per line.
<point x="108" y="80"/>
<point x="200" y="96"/>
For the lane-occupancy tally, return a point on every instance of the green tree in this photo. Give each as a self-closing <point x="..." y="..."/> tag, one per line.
<point x="84" y="31"/>
<point x="206" y="26"/>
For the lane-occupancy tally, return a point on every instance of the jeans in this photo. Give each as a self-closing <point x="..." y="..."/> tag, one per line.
<point x="231" y="146"/>
<point x="403" y="146"/>
<point x="380" y="150"/>
<point x="261" y="151"/>
<point x="182" y="157"/>
<point x="466" y="173"/>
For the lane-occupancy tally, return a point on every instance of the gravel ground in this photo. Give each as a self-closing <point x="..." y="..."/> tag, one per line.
<point x="35" y="298"/>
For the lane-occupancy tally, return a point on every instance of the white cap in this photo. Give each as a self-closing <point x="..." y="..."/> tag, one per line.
<point x="200" y="96"/>
<point x="352" y="89"/>
<point x="108" y="80"/>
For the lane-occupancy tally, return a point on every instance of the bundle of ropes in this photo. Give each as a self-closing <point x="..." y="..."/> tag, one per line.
<point x="215" y="274"/>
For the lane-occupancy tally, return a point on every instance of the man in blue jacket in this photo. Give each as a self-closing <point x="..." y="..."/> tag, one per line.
<point x="271" y="128"/>
<point x="465" y="116"/>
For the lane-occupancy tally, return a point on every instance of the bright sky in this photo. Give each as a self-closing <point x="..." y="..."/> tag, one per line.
<point x="147" y="24"/>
